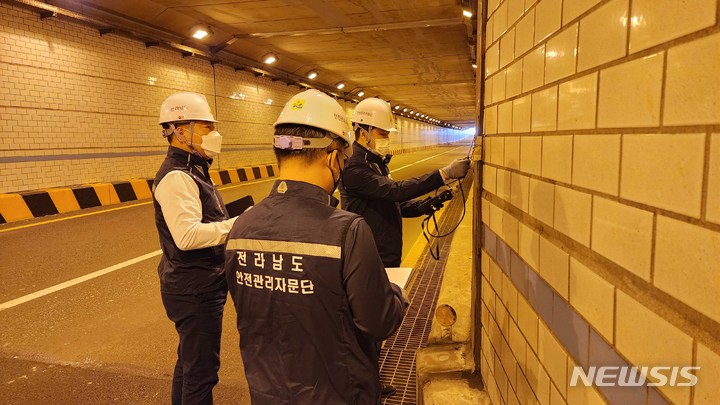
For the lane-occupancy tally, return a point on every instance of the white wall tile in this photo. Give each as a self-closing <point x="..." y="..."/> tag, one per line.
<point x="630" y="93"/>
<point x="596" y="162"/>
<point x="692" y="89"/>
<point x="577" y="103"/>
<point x="524" y="31"/>
<point x="547" y="18"/>
<point x="557" y="157"/>
<point x="653" y="22"/>
<point x="513" y="79"/>
<point x="664" y="170"/>
<point x="560" y="54"/>
<point x="603" y="35"/>
<point x="574" y="8"/>
<point x="507" y="48"/>
<point x="521" y="114"/>
<point x="534" y="69"/>
<point x="498" y="87"/>
<point x="492" y="59"/>
<point x="544" y="110"/>
<point x="505" y="117"/>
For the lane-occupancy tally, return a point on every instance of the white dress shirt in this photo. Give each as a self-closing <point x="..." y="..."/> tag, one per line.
<point x="179" y="199"/>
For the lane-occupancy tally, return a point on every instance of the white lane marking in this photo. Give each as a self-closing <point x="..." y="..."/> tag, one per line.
<point x="81" y="279"/>
<point x="120" y="208"/>
<point x="420" y="161"/>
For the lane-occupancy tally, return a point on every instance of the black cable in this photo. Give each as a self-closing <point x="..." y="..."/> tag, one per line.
<point x="427" y="233"/>
<point x="436" y="253"/>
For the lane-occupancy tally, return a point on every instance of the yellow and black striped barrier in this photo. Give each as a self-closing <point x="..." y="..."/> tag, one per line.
<point x="39" y="203"/>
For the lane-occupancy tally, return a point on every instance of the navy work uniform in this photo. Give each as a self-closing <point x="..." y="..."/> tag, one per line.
<point x="312" y="298"/>
<point x="192" y="281"/>
<point x="367" y="189"/>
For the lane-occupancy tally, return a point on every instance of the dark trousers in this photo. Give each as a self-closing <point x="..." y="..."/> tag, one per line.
<point x="198" y="321"/>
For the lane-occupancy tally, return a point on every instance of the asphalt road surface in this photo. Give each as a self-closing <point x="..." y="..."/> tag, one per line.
<point x="100" y="334"/>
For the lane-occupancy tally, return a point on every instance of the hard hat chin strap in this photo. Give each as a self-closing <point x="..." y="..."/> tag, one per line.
<point x="368" y="130"/>
<point x="181" y="137"/>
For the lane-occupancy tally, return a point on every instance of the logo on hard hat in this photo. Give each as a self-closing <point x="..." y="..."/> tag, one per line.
<point x="179" y="108"/>
<point x="298" y="104"/>
<point x="340" y="118"/>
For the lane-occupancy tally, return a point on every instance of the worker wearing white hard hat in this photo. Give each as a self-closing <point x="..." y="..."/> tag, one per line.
<point x="311" y="293"/>
<point x="373" y="122"/>
<point x="193" y="225"/>
<point x="189" y="124"/>
<point x="313" y="108"/>
<point x="367" y="188"/>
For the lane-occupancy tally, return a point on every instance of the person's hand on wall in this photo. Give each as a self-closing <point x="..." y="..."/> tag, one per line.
<point x="457" y="169"/>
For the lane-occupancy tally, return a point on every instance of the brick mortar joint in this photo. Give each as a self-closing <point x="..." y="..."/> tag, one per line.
<point x="528" y="347"/>
<point x="690" y="321"/>
<point x="615" y="198"/>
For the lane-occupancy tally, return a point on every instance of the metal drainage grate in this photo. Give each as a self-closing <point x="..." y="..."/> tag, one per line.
<point x="397" y="359"/>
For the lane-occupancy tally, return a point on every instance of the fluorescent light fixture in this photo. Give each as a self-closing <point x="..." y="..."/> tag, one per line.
<point x="474" y="65"/>
<point x="200" y="31"/>
<point x="269" y="58"/>
<point x="340" y="85"/>
<point x="405" y="109"/>
<point x="361" y="93"/>
<point x="411" y="112"/>
<point x="312" y="74"/>
<point x="397" y="107"/>
<point x="467" y="13"/>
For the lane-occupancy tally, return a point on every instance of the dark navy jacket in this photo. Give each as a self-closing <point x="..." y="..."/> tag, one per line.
<point x="312" y="298"/>
<point x="192" y="271"/>
<point x="367" y="189"/>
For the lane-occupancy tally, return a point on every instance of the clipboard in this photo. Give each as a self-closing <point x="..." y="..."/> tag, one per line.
<point x="399" y="275"/>
<point x="237" y="207"/>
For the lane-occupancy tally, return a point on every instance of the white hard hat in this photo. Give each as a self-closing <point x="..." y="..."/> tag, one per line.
<point x="376" y="113"/>
<point x="315" y="109"/>
<point x="185" y="106"/>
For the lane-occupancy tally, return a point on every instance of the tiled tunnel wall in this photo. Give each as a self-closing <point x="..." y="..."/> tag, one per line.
<point x="78" y="107"/>
<point x="601" y="202"/>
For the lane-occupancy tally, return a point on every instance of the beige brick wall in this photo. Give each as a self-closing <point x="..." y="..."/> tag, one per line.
<point x="521" y="360"/>
<point x="601" y="122"/>
<point x="81" y="108"/>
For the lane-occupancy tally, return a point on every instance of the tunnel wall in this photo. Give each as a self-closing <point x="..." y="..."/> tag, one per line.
<point x="601" y="206"/>
<point x="78" y="107"/>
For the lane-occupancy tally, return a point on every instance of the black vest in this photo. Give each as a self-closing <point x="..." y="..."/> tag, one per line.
<point x="192" y="271"/>
<point x="284" y="268"/>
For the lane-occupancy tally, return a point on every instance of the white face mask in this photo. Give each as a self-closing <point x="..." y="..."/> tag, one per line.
<point x="212" y="143"/>
<point x="382" y="146"/>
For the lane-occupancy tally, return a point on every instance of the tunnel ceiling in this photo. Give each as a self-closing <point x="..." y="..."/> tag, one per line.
<point x="413" y="53"/>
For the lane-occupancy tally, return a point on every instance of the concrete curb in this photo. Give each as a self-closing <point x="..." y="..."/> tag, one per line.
<point x="446" y="372"/>
<point x="38" y="203"/>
